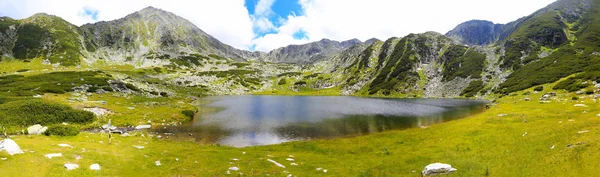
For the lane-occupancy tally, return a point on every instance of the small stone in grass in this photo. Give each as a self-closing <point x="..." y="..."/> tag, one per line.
<point x="234" y="168"/>
<point x="158" y="163"/>
<point x="95" y="167"/>
<point x="64" y="145"/>
<point x="70" y="166"/>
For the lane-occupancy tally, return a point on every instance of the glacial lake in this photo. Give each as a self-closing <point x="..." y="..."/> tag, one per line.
<point x="253" y="120"/>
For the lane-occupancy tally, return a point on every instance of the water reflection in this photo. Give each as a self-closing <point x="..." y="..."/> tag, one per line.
<point x="261" y="120"/>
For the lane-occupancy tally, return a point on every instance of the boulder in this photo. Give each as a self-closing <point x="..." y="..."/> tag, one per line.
<point x="36" y="129"/>
<point x="10" y="146"/>
<point x="71" y="166"/>
<point x="435" y="169"/>
<point x="95" y="167"/>
<point x="142" y="127"/>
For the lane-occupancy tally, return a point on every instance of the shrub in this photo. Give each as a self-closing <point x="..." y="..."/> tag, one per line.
<point x="188" y="113"/>
<point x="539" y="88"/>
<point x="472" y="89"/>
<point x="132" y="87"/>
<point x="62" y="130"/>
<point x="300" y="83"/>
<point x="574" y="98"/>
<point x="282" y="82"/>
<point x="29" y="111"/>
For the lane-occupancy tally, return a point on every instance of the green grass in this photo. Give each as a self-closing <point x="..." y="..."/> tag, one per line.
<point x="484" y="142"/>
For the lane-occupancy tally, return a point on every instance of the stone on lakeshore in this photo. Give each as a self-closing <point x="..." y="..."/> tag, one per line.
<point x="142" y="127"/>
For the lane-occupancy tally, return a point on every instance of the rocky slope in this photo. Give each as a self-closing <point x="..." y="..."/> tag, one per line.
<point x="309" y="53"/>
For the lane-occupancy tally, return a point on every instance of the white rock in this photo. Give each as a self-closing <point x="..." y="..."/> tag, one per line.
<point x="580" y="105"/>
<point x="10" y="146"/>
<point x="524" y="133"/>
<point x="235" y="159"/>
<point x="583" y="131"/>
<point x="293" y="164"/>
<point x="289" y="159"/>
<point x="158" y="163"/>
<point x="325" y="171"/>
<point x="319" y="169"/>
<point x="502" y="115"/>
<point x="278" y="164"/>
<point x="437" y="169"/>
<point x="95" y="167"/>
<point x="139" y="147"/>
<point x="234" y="168"/>
<point x="71" y="166"/>
<point x="64" y="145"/>
<point x="53" y="155"/>
<point x="598" y="115"/>
<point x="552" y="147"/>
<point x="36" y="129"/>
<point x="143" y="127"/>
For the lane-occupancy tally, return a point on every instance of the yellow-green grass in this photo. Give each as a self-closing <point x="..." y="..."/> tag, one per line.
<point x="130" y="109"/>
<point x="478" y="145"/>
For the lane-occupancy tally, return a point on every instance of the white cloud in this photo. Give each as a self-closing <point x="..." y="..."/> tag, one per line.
<point x="227" y="20"/>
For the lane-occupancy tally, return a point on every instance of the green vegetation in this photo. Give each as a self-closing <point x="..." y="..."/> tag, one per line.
<point x="472" y="89"/>
<point x="17" y="112"/>
<point x="460" y="61"/>
<point x="57" y="82"/>
<point x="62" y="130"/>
<point x="188" y="113"/>
<point x="282" y="82"/>
<point x="539" y="88"/>
<point x="479" y="145"/>
<point x="397" y="74"/>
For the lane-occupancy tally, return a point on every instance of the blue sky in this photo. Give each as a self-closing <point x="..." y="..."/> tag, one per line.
<point x="264" y="25"/>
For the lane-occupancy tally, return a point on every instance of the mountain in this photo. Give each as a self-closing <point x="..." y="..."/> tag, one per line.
<point x="371" y="41"/>
<point x="41" y="35"/>
<point x="151" y="33"/>
<point x="476" y="58"/>
<point x="476" y="32"/>
<point x="311" y="52"/>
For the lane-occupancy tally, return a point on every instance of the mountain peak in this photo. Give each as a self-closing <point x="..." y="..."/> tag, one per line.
<point x="371" y="41"/>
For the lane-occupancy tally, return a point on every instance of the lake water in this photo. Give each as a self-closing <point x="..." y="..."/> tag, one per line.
<point x="260" y="120"/>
